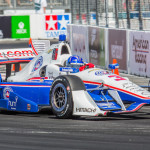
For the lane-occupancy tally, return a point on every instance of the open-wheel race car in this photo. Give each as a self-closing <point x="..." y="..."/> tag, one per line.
<point x="71" y="87"/>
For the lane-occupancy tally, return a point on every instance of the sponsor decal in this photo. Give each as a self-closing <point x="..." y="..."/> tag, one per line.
<point x="106" y="105"/>
<point x="38" y="64"/>
<point x="118" y="47"/>
<point x="141" y="48"/>
<point x="89" y="110"/>
<point x="20" y="27"/>
<point x="93" y="70"/>
<point x="58" y="79"/>
<point x="117" y="78"/>
<point x="100" y="73"/>
<point x="117" y="51"/>
<point x="140" y="44"/>
<point x="28" y="106"/>
<point x="6" y="92"/>
<point x="1" y="34"/>
<point x="94" y="54"/>
<point x="68" y="88"/>
<point x="49" y="51"/>
<point x="66" y="69"/>
<point x="56" y="25"/>
<point x="42" y="79"/>
<point x="15" y="53"/>
<point x="13" y="103"/>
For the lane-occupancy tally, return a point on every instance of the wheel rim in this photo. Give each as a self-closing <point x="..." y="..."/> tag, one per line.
<point x="59" y="97"/>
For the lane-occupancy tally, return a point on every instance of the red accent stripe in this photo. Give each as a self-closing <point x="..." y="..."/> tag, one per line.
<point x="37" y="78"/>
<point x="117" y="89"/>
<point x="24" y="85"/>
<point x="34" y="48"/>
<point x="13" y="61"/>
<point x="137" y="108"/>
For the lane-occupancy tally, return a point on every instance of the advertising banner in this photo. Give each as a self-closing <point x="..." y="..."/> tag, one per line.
<point x="139" y="53"/>
<point x="20" y="26"/>
<point x="80" y="41"/>
<point x="96" y="46"/>
<point x="118" y="47"/>
<point x="56" y="25"/>
<point x="18" y="53"/>
<point x="5" y="27"/>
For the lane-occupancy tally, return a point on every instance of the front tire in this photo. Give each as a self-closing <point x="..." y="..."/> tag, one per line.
<point x="61" y="98"/>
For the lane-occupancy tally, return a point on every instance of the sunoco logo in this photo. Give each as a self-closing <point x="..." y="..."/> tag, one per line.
<point x="21" y="29"/>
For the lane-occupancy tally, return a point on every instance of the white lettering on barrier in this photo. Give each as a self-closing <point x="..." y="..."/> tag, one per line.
<point x="54" y="34"/>
<point x="117" y="51"/>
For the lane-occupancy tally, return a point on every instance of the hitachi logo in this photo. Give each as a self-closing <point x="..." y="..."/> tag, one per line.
<point x="89" y="110"/>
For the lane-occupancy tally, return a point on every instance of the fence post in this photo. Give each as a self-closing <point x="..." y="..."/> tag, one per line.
<point x="88" y="15"/>
<point x="106" y="12"/>
<point x="71" y="7"/>
<point x="97" y="18"/>
<point x="116" y="14"/>
<point x="80" y="19"/>
<point x="128" y="14"/>
<point x="140" y="16"/>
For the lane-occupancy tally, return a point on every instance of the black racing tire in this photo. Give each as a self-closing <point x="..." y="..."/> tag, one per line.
<point x="61" y="95"/>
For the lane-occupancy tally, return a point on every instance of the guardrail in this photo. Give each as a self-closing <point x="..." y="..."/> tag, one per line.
<point x="100" y="46"/>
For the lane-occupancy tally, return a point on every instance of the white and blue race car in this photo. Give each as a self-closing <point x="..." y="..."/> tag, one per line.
<point x="71" y="87"/>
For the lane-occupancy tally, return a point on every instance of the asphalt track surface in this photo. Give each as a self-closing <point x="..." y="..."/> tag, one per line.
<point x="42" y="131"/>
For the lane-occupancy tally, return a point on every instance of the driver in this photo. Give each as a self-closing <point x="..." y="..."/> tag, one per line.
<point x="77" y="63"/>
<point x="74" y="62"/>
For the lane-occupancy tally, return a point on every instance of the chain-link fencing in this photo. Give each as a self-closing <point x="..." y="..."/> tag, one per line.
<point x="131" y="14"/>
<point x="29" y="4"/>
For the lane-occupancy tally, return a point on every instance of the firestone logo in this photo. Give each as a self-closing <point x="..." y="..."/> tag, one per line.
<point x="21" y="29"/>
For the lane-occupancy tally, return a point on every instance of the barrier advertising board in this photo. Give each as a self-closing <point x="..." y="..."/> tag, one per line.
<point x="56" y="25"/>
<point x="5" y="27"/>
<point x="117" y="47"/>
<point x="139" y="53"/>
<point x="96" y="46"/>
<point x="20" y="27"/>
<point x="80" y="41"/>
<point x="68" y="33"/>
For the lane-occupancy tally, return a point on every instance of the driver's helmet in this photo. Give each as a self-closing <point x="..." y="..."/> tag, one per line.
<point x="74" y="62"/>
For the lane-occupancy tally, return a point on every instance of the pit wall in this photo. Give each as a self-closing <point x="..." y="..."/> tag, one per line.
<point x="100" y="46"/>
<point x="36" y="26"/>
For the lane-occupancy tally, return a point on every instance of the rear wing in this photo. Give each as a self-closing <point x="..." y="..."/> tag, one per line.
<point x="22" y="55"/>
<point x="19" y="55"/>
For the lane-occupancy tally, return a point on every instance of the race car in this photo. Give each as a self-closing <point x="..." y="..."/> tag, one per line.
<point x="70" y="86"/>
